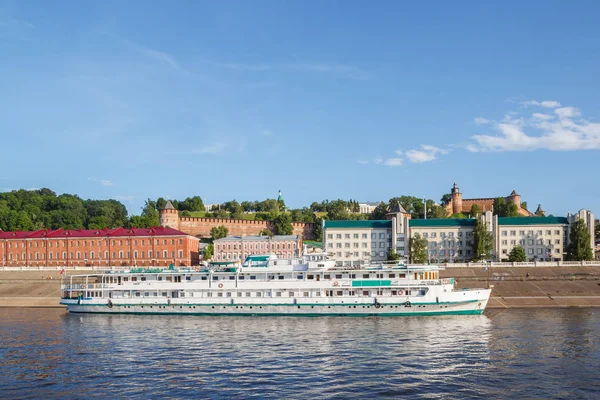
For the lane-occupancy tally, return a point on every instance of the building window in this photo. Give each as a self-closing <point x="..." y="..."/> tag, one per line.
<point x="364" y="236"/>
<point x="433" y="234"/>
<point x="347" y="236"/>
<point x="513" y="233"/>
<point x="329" y="236"/>
<point x="373" y="236"/>
<point x="504" y="233"/>
<point x="338" y="236"/>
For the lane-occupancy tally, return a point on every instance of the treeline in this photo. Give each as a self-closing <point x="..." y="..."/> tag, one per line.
<point x="42" y="209"/>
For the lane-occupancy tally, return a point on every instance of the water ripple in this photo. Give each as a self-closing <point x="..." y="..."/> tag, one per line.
<point x="516" y="354"/>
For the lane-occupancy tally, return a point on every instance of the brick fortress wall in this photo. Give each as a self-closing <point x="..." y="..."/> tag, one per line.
<point x="200" y="227"/>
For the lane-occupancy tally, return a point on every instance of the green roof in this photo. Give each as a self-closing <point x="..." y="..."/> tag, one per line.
<point x="367" y="224"/>
<point x="430" y="223"/>
<point x="258" y="258"/>
<point x="313" y="243"/>
<point x="532" y="221"/>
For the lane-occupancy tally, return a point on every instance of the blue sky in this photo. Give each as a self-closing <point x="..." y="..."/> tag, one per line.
<point x="323" y="100"/>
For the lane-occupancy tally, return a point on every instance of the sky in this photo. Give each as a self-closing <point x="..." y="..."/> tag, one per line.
<point x="319" y="99"/>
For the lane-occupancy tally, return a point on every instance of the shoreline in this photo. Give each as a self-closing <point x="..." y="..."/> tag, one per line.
<point x="536" y="287"/>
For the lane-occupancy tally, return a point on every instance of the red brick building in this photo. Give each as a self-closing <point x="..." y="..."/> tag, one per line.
<point x="237" y="248"/>
<point x="98" y="247"/>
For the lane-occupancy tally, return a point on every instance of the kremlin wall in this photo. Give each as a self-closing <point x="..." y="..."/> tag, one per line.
<point x="200" y="227"/>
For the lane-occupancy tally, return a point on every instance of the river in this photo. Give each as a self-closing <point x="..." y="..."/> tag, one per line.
<point x="545" y="353"/>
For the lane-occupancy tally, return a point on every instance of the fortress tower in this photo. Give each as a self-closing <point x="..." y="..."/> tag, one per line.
<point x="169" y="216"/>
<point x="456" y="197"/>
<point x="515" y="198"/>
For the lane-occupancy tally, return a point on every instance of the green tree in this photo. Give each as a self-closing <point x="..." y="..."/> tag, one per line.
<point x="482" y="241"/>
<point x="475" y="211"/>
<point x="266" y="232"/>
<point x="597" y="230"/>
<point x="318" y="232"/>
<point x="283" y="224"/>
<point x="579" y="248"/>
<point x="517" y="254"/>
<point x="236" y="211"/>
<point x="418" y="249"/>
<point x="191" y="204"/>
<point x="503" y="208"/>
<point x="208" y="252"/>
<point x="185" y="213"/>
<point x="435" y="211"/>
<point x="445" y="200"/>
<point x="379" y="211"/>
<point x="524" y="205"/>
<point x="392" y="255"/>
<point x="219" y="232"/>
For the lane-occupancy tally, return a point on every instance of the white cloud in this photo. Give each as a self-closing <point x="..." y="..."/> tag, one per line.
<point x="364" y="162"/>
<point x="393" y="162"/>
<point x="541" y="116"/>
<point x="541" y="131"/>
<point x="567" y="112"/>
<point x="481" y="121"/>
<point x="425" y="154"/>
<point x="545" y="103"/>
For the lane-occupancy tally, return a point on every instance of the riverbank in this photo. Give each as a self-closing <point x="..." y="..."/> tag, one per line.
<point x="539" y="287"/>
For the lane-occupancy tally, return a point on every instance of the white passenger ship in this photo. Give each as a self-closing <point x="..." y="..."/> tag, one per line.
<point x="266" y="285"/>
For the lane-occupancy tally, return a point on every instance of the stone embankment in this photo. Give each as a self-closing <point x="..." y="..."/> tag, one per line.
<point x="533" y="287"/>
<point x="512" y="287"/>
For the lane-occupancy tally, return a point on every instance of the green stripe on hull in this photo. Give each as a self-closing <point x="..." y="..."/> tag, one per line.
<point x="278" y="304"/>
<point x="394" y="314"/>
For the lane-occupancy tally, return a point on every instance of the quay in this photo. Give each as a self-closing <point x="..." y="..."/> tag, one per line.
<point x="513" y="286"/>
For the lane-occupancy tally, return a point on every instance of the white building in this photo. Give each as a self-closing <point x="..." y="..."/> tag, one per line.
<point x="449" y="240"/>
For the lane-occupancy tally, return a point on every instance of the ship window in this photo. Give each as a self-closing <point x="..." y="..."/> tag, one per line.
<point x="365" y="276"/>
<point x="252" y="277"/>
<point x="338" y="276"/>
<point x="188" y="278"/>
<point x="160" y="278"/>
<point x="137" y="294"/>
<point x="215" y="278"/>
<point x="133" y="278"/>
<point x="231" y="277"/>
<point x="143" y="278"/>
<point x="310" y="277"/>
<point x="392" y="275"/>
<point x="248" y="294"/>
<point x="220" y="294"/>
<point x="365" y="292"/>
<point x="241" y="277"/>
<point x="306" y="294"/>
<point x="402" y="276"/>
<point x="352" y="276"/>
<point x="291" y="294"/>
<point x="147" y="294"/>
<point x="317" y="293"/>
<point x="394" y="292"/>
<point x="203" y="278"/>
<point x="277" y="294"/>
<point x="209" y="294"/>
<point x="228" y="294"/>
<point x="326" y="276"/>
<point x="258" y="294"/>
<point x="280" y="277"/>
<point x="239" y="294"/>
<point x="339" y="293"/>
<point x="164" y="294"/>
<point x="299" y="276"/>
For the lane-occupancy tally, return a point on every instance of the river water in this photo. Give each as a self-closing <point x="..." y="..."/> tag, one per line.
<point x="47" y="353"/>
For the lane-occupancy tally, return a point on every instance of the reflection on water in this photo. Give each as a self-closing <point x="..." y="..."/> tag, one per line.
<point x="516" y="353"/>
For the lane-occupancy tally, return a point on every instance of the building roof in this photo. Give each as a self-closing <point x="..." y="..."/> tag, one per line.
<point x="169" y="206"/>
<point x="365" y="224"/>
<point x="232" y="238"/>
<point x="398" y="209"/>
<point x="91" y="233"/>
<point x="312" y="243"/>
<point x="514" y="193"/>
<point x="439" y="222"/>
<point x="532" y="221"/>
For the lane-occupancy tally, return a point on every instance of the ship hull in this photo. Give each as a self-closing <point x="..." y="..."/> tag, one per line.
<point x="470" y="307"/>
